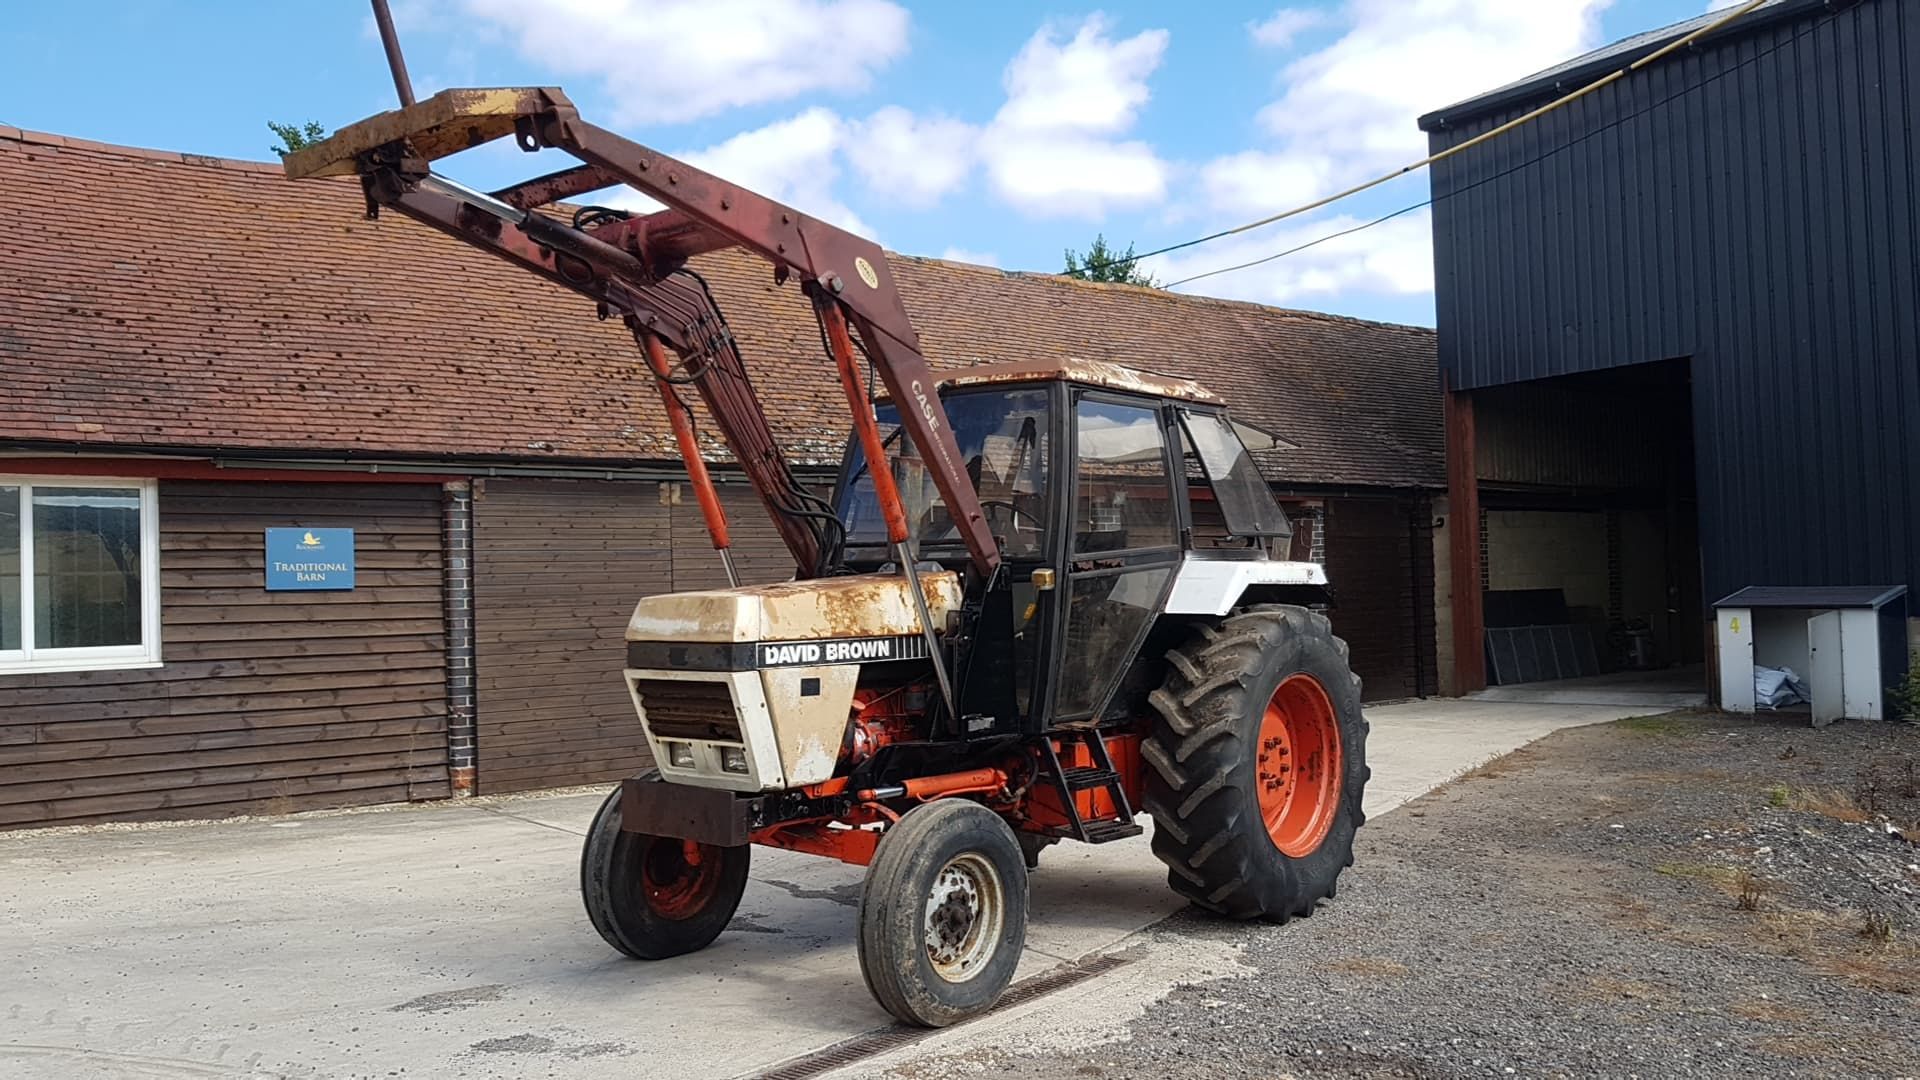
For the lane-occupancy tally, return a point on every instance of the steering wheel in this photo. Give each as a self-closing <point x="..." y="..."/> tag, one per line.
<point x="1014" y="513"/>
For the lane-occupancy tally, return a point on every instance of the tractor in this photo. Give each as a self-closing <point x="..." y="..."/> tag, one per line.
<point x="1043" y="598"/>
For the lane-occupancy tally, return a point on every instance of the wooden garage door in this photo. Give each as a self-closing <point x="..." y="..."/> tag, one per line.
<point x="558" y="566"/>
<point x="1383" y="594"/>
<point x="267" y="701"/>
<point x="758" y="552"/>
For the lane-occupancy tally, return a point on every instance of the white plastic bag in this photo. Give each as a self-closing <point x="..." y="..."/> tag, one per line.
<point x="1776" y="688"/>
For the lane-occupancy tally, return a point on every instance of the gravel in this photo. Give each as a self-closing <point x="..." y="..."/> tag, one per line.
<point x="1667" y="896"/>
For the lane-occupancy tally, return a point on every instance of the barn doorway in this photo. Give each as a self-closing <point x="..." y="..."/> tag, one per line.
<point x="1589" y="532"/>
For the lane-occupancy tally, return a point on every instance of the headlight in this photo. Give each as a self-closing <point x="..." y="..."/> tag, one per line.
<point x="680" y="755"/>
<point x="733" y="759"/>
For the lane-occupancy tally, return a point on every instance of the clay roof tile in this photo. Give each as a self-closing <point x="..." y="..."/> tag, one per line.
<point x="159" y="299"/>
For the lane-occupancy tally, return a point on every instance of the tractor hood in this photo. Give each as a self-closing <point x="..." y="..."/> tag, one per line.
<point x="750" y="689"/>
<point x="823" y="609"/>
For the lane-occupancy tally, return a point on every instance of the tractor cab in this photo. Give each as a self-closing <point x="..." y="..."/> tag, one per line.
<point x="1114" y="495"/>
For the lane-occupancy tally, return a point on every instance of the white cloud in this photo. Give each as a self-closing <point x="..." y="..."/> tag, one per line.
<point x="1348" y="112"/>
<point x="794" y="161"/>
<point x="976" y="258"/>
<point x="1065" y="175"/>
<point x="912" y="159"/>
<point x="1054" y="149"/>
<point x="1088" y="83"/>
<point x="665" y="61"/>
<point x="1057" y="146"/>
<point x="1356" y="101"/>
<point x="1254" y="182"/>
<point x="798" y="161"/>
<point x="1278" y="30"/>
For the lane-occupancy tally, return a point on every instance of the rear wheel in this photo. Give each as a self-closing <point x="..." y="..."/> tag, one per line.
<point x="944" y="914"/>
<point x="652" y="897"/>
<point x="1258" y="764"/>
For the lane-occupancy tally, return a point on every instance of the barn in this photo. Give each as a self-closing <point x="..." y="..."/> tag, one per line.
<point x="1677" y="326"/>
<point x="299" y="509"/>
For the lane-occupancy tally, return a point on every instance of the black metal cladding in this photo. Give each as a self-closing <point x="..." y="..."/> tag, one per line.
<point x="1748" y="204"/>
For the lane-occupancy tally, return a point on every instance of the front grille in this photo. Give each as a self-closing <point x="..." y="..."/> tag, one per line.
<point x="688" y="710"/>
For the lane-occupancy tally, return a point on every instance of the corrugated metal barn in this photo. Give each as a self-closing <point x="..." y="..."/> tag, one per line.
<point x="1684" y="307"/>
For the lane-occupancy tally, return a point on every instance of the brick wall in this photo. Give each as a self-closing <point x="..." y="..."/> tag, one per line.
<point x="1549" y="549"/>
<point x="1309" y="521"/>
<point x="1440" y="551"/>
<point x="457" y="533"/>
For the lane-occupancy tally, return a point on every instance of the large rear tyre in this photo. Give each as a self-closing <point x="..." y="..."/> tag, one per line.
<point x="1258" y="764"/>
<point x="653" y="897"/>
<point x="944" y="914"/>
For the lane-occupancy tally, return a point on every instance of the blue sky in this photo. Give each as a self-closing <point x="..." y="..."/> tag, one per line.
<point x="995" y="132"/>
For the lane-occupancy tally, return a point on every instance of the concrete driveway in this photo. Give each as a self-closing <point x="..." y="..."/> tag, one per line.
<point x="447" y="940"/>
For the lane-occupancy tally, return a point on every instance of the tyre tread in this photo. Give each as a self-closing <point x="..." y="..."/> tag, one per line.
<point x="1201" y="743"/>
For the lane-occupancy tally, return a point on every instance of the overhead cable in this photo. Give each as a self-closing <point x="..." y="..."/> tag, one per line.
<point x="1517" y="166"/>
<point x="1494" y="133"/>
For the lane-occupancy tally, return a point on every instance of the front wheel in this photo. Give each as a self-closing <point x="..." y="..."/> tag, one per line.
<point x="944" y="914"/>
<point x="1258" y="764"/>
<point x="653" y="897"/>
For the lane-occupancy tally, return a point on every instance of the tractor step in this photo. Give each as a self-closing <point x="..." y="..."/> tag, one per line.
<point x="1104" y="832"/>
<point x="1098" y="775"/>
<point x="1085" y="778"/>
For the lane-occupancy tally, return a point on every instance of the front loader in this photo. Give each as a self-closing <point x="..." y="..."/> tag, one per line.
<point x="1040" y="602"/>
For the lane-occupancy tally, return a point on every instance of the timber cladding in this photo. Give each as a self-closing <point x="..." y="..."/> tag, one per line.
<point x="266" y="701"/>
<point x="1380" y="561"/>
<point x="558" y="566"/>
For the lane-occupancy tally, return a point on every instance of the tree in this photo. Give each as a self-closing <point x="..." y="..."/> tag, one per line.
<point x="296" y="138"/>
<point x="1102" y="263"/>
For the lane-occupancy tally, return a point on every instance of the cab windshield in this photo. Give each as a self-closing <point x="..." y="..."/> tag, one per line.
<point x="1004" y="442"/>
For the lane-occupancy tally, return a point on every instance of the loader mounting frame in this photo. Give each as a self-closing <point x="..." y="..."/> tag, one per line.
<point x="634" y="266"/>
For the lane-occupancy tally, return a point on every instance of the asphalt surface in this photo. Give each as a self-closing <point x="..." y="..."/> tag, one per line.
<point x="1572" y="910"/>
<point x="448" y="940"/>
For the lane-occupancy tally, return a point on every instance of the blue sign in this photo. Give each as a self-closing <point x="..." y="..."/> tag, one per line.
<point x="309" y="559"/>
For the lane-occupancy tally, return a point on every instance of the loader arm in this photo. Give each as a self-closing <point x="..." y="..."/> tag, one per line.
<point x="635" y="266"/>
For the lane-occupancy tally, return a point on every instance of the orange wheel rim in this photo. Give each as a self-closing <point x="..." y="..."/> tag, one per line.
<point x="679" y="877"/>
<point x="1298" y="771"/>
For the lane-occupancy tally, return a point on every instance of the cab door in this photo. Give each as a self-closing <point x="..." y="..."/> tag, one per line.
<point x="1121" y="541"/>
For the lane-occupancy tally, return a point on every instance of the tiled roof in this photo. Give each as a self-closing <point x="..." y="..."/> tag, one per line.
<point x="166" y="300"/>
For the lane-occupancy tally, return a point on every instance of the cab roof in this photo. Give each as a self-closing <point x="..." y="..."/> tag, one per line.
<point x="1100" y="373"/>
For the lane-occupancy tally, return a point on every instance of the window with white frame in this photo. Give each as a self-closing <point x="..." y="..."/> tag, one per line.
<point x="79" y="574"/>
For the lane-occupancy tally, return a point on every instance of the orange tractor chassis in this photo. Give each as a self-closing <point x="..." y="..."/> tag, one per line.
<point x="834" y="820"/>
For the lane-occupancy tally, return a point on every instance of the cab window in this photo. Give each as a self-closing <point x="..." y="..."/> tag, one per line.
<point x="1227" y="490"/>
<point x="1004" y="443"/>
<point x="1123" y="497"/>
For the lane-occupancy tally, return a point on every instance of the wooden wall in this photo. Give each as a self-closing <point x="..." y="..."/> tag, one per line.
<point x="558" y="566"/>
<point x="1381" y="565"/>
<point x="758" y="552"/>
<point x="267" y="702"/>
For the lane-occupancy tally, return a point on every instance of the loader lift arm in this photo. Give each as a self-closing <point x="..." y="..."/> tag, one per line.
<point x="635" y="267"/>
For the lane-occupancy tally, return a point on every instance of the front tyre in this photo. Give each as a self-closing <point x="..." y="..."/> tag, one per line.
<point x="944" y="914"/>
<point x="652" y="897"/>
<point x="1258" y="764"/>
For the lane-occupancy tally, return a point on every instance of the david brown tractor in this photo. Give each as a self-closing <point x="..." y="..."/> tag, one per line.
<point x="1039" y="602"/>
